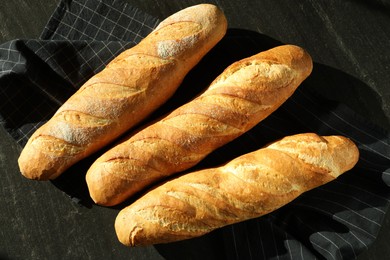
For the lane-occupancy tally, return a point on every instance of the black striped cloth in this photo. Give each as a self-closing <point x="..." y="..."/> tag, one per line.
<point x="336" y="221"/>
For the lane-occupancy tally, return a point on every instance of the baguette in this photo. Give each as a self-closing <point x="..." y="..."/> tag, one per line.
<point x="132" y="85"/>
<point x="243" y="95"/>
<point x="247" y="187"/>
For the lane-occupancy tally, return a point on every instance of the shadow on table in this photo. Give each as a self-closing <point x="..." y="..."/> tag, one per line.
<point x="376" y="5"/>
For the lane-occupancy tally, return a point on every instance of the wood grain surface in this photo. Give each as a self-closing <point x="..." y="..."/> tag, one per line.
<point x="39" y="221"/>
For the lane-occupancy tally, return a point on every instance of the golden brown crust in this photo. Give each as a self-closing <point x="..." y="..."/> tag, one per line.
<point x="132" y="85"/>
<point x="247" y="187"/>
<point x="243" y="95"/>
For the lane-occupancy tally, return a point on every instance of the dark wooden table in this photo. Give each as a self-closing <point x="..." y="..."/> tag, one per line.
<point x="39" y="221"/>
